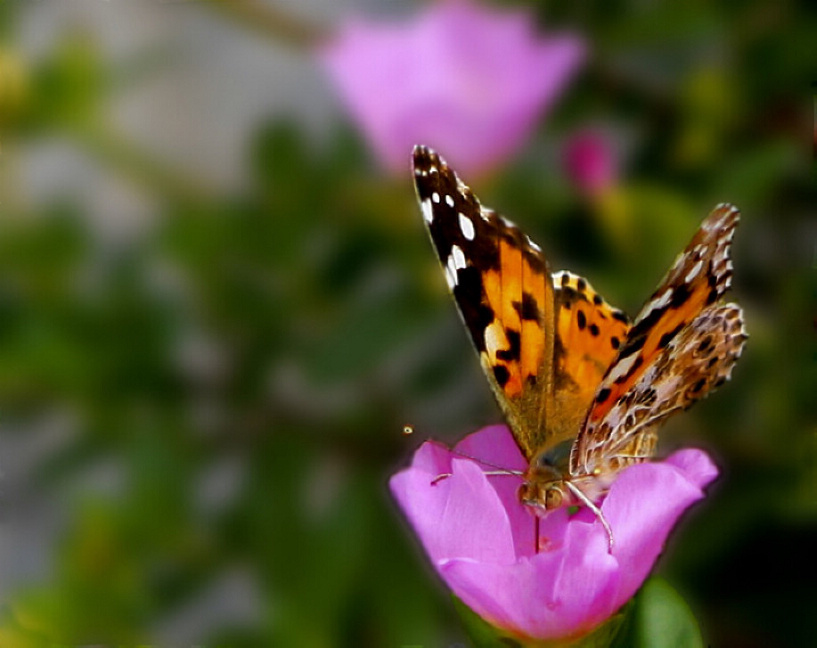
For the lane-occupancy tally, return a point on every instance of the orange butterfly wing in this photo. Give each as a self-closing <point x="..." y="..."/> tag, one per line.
<point x="544" y="342"/>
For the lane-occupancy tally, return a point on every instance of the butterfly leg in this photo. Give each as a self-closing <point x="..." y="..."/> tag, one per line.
<point x="596" y="511"/>
<point x="487" y="473"/>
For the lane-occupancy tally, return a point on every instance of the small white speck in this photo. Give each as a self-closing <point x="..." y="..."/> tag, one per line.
<point x="449" y="200"/>
<point x="534" y="246"/>
<point x="435" y="198"/>
<point x="433" y="170"/>
<point x="485" y="214"/>
<point x="428" y="211"/>
<point x="467" y="227"/>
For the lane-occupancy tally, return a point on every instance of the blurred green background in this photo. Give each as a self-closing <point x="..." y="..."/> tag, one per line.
<point x="217" y="314"/>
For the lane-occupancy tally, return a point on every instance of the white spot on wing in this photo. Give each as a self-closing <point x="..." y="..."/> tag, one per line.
<point x="428" y="211"/>
<point x="694" y="271"/>
<point x="457" y="257"/>
<point x="621" y="368"/>
<point x="467" y="227"/>
<point x="660" y="302"/>
<point x="435" y="198"/>
<point x="449" y="201"/>
<point x="450" y="276"/>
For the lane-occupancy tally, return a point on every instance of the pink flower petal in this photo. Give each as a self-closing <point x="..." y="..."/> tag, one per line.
<point x="480" y="538"/>
<point x="551" y="595"/>
<point x="462" y="77"/>
<point x="445" y="513"/>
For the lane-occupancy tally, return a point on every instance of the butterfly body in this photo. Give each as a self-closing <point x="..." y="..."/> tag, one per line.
<point x="583" y="391"/>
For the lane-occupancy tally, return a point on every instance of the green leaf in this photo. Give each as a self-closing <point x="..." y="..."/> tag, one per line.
<point x="660" y="619"/>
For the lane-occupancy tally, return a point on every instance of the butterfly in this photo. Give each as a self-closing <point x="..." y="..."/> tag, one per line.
<point x="583" y="390"/>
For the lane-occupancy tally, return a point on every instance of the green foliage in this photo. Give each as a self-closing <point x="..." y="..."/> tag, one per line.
<point x="660" y="618"/>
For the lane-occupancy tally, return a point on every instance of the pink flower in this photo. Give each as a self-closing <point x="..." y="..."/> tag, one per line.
<point x="481" y="539"/>
<point x="591" y="162"/>
<point x="460" y="77"/>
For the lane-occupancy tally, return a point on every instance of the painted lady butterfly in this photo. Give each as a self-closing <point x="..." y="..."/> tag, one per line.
<point x="582" y="390"/>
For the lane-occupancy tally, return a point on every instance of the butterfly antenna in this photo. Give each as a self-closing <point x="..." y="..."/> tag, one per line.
<point x="596" y="511"/>
<point x="499" y="469"/>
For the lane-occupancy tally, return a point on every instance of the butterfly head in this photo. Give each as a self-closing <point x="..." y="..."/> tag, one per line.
<point x="544" y="487"/>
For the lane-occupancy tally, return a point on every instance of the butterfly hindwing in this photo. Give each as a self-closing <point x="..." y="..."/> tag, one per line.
<point x="589" y="333"/>
<point x="697" y="360"/>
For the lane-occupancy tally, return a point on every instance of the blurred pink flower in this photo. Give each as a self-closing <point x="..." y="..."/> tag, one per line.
<point x="591" y="162"/>
<point x="460" y="77"/>
<point x="481" y="539"/>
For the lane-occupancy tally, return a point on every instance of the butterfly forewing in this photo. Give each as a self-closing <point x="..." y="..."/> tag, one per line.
<point x="501" y="283"/>
<point x="698" y="278"/>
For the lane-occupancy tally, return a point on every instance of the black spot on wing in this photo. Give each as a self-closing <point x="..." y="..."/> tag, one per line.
<point x="475" y="311"/>
<point x="638" y="334"/>
<point x="581" y="319"/>
<point x="512" y="353"/>
<point x="680" y="294"/>
<point x="527" y="309"/>
<point x="501" y="375"/>
<point x="668" y="336"/>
